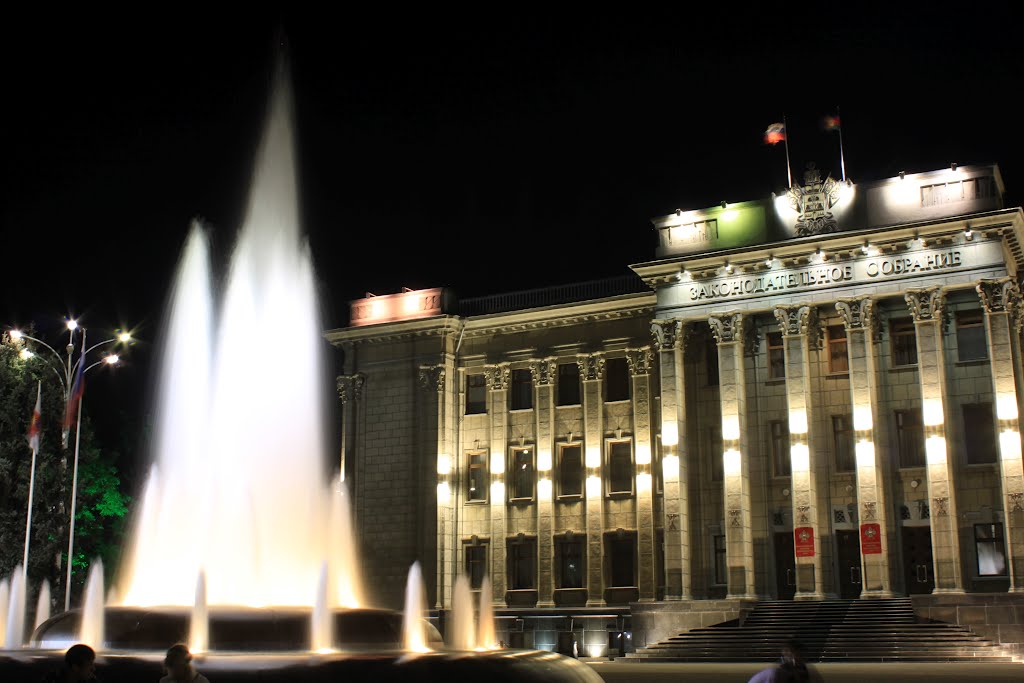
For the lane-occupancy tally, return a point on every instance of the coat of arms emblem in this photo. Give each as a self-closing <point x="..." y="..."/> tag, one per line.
<point x="813" y="201"/>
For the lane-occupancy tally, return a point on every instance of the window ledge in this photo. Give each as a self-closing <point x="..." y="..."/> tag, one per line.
<point x="475" y="502"/>
<point x="842" y="374"/>
<point x="471" y="414"/>
<point x="971" y="361"/>
<point x="569" y="405"/>
<point x="520" y="410"/>
<point x="621" y="400"/>
<point x="570" y="498"/>
<point x="982" y="465"/>
<point x="520" y="501"/>
<point x="619" y="494"/>
<point x="911" y="468"/>
<point x="903" y="368"/>
<point x="772" y="381"/>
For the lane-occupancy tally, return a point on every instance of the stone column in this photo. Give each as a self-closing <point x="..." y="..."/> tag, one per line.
<point x="927" y="306"/>
<point x="592" y="374"/>
<point x="858" y="317"/>
<point x="999" y="298"/>
<point x="739" y="544"/>
<point x="799" y="325"/>
<point x="668" y="341"/>
<point x="432" y="378"/>
<point x="544" y="372"/>
<point x="497" y="381"/>
<point x="640" y="361"/>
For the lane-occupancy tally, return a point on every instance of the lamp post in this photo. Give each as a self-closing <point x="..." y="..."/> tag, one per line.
<point x="66" y="375"/>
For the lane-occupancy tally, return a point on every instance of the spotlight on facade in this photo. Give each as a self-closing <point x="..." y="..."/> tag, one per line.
<point x="724" y="204"/>
<point x="679" y="212"/>
<point x="728" y="267"/>
<point x="952" y="167"/>
<point x="967" y="233"/>
<point x="903" y="175"/>
<point x="769" y="261"/>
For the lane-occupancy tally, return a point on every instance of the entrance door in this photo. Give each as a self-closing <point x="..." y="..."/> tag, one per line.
<point x="917" y="559"/>
<point x="848" y="543"/>
<point x="785" y="565"/>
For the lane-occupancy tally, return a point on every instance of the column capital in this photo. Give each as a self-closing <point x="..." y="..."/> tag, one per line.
<point x="858" y="313"/>
<point x="998" y="296"/>
<point x="796" y="319"/>
<point x="432" y="377"/>
<point x="927" y="304"/>
<point x="543" y="371"/>
<point x="667" y="334"/>
<point x="591" y="366"/>
<point x="497" y="376"/>
<point x="350" y="387"/>
<point x="640" y="361"/>
<point x="727" y="327"/>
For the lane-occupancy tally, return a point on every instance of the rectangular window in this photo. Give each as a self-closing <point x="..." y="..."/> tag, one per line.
<point x="522" y="390"/>
<point x="838" y="357"/>
<point x="568" y="384"/>
<point x="904" y="342"/>
<point x="476" y="565"/>
<point x="569" y="560"/>
<point x="523" y="473"/>
<point x="970" y="336"/>
<point x="842" y="442"/>
<point x="776" y="356"/>
<point x="910" y="438"/>
<point x="622" y="561"/>
<point x="979" y="426"/>
<point x="522" y="564"/>
<point x="718" y="543"/>
<point x="711" y="361"/>
<point x="990" y="548"/>
<point x="779" y="434"/>
<point x="570" y="470"/>
<point x="620" y="467"/>
<point x="476" y="394"/>
<point x="477" y="479"/>
<point x="714" y="449"/>
<point x="957" y="191"/>
<point x="616" y="380"/>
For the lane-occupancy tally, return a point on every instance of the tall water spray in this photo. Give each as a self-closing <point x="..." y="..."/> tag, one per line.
<point x="462" y="629"/>
<point x="414" y="633"/>
<point x="5" y="596"/>
<point x="486" y="637"/>
<point x="237" y="487"/>
<point x="43" y="604"/>
<point x="199" y="626"/>
<point x="321" y="620"/>
<point x="14" y="634"/>
<point x="92" y="626"/>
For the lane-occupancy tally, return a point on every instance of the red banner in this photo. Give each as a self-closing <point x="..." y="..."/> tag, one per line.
<point x="803" y="538"/>
<point x="870" y="539"/>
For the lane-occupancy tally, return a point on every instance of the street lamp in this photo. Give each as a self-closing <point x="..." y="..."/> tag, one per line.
<point x="66" y="376"/>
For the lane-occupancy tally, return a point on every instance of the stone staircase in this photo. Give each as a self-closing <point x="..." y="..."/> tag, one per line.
<point x="830" y="631"/>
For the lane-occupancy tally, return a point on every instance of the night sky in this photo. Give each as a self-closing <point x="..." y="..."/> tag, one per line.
<point x="485" y="151"/>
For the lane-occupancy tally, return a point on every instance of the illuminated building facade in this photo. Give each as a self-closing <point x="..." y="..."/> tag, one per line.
<point x="810" y="396"/>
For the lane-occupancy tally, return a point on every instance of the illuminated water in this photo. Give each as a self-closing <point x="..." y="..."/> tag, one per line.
<point x="14" y="633"/>
<point x="238" y="490"/>
<point x="5" y="595"/>
<point x="91" y="630"/>
<point x="414" y="633"/>
<point x="43" y="603"/>
<point x="199" y="624"/>
<point x="462" y="629"/>
<point x="486" y="637"/>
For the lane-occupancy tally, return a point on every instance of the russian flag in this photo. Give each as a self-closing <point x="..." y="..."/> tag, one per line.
<point x="830" y="122"/>
<point x="37" y="418"/>
<point x="75" y="396"/>
<point x="775" y="134"/>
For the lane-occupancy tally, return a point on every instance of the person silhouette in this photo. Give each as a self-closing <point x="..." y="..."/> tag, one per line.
<point x="178" y="663"/>
<point x="79" y="665"/>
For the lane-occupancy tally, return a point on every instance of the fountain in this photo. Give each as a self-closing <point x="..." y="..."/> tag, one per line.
<point x="14" y="633"/>
<point x="42" y="604"/>
<point x="241" y="545"/>
<point x="486" y="638"/>
<point x="5" y="596"/>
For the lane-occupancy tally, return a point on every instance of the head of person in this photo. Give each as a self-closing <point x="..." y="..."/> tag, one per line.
<point x="178" y="661"/>
<point x="791" y="652"/>
<point x="80" y="661"/>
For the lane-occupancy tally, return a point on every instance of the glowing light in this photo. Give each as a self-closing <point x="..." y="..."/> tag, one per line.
<point x="544" y="489"/>
<point x="593" y="486"/>
<point x="26" y="354"/>
<point x="1009" y="445"/>
<point x="799" y="458"/>
<point x="669" y="434"/>
<point x="124" y="337"/>
<point x="325" y="650"/>
<point x="643" y="454"/>
<point x="497" y="463"/>
<point x="16" y="335"/>
<point x="731" y="462"/>
<point x="112" y="359"/>
<point x="72" y="324"/>
<point x="728" y="267"/>
<point x="595" y="650"/>
<point x="497" y="492"/>
<point x="444" y="464"/>
<point x="782" y="206"/>
<point x="593" y="457"/>
<point x="670" y="467"/>
<point x="1006" y="407"/>
<point x="730" y="427"/>
<point x="935" y="449"/>
<point x="643" y="481"/>
<point x="798" y="421"/>
<point x="933" y="412"/>
<point x="862" y="418"/>
<point x="729" y="215"/>
<point x="769" y="261"/>
<point x="444" y="493"/>
<point x="865" y="451"/>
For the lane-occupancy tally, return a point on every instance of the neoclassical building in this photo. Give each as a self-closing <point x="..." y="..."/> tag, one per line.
<point x="807" y="396"/>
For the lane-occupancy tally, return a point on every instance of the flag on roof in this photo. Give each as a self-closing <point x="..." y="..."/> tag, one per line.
<point x="775" y="134"/>
<point x="830" y="122"/>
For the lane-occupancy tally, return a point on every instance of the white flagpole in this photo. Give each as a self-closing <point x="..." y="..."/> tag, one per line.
<point x="32" y="483"/>
<point x="74" y="484"/>
<point x="842" y="159"/>
<point x="785" y="140"/>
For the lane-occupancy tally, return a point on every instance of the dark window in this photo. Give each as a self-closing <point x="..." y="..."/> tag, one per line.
<point x="989" y="545"/>
<point x="711" y="361"/>
<point x="622" y="552"/>
<point x="970" y="336"/>
<point x="616" y="380"/>
<point x="476" y="565"/>
<point x="477" y="477"/>
<point x="842" y="441"/>
<point x="570" y="558"/>
<point x="620" y="467"/>
<point x="779" y="434"/>
<point x="979" y="426"/>
<point x="523" y="473"/>
<point x="721" y="578"/>
<point x="659" y="469"/>
<point x="776" y="356"/>
<point x="838" y="357"/>
<point x="910" y="438"/>
<point x="476" y="394"/>
<point x="568" y="384"/>
<point x="522" y="390"/>
<point x="570" y="470"/>
<point x="904" y="342"/>
<point x="714" y="450"/>
<point x="522" y="564"/>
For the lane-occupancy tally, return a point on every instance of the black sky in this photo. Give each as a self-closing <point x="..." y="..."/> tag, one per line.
<point x="483" y="150"/>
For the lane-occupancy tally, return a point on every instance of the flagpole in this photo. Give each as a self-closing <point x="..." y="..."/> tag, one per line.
<point x="842" y="159"/>
<point x="74" y="485"/>
<point x="785" y="140"/>
<point x="31" y="483"/>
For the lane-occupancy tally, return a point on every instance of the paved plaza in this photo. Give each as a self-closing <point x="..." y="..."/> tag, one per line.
<point x="621" y="672"/>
